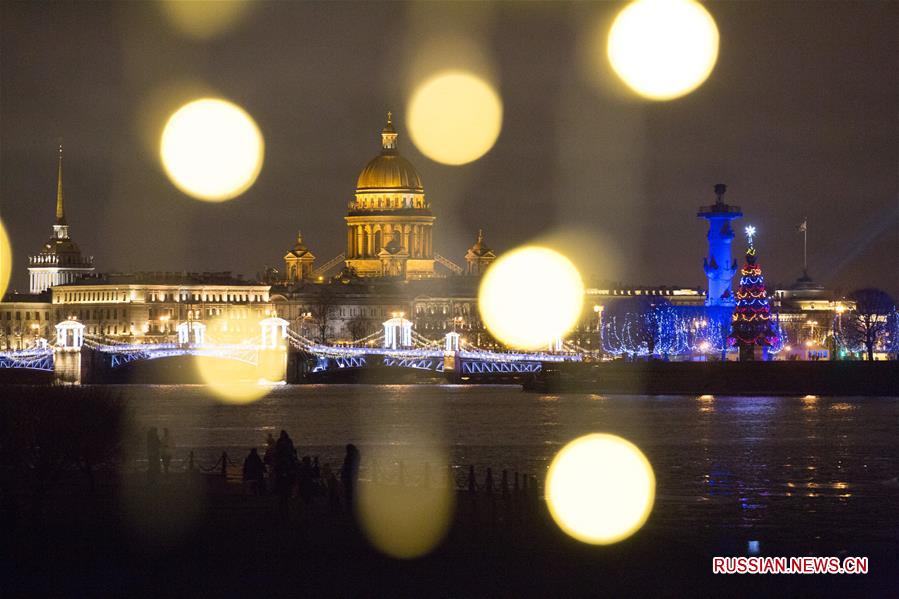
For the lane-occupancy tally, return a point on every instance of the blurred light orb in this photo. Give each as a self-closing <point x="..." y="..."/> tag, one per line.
<point x="212" y="149"/>
<point x="663" y="49"/>
<point x="600" y="489"/>
<point x="231" y="381"/>
<point x="407" y="521"/>
<point x="204" y="19"/>
<point x="454" y="117"/>
<point x="5" y="260"/>
<point x="530" y="296"/>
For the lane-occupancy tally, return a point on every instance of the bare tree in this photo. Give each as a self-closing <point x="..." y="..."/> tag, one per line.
<point x="360" y="327"/>
<point x="323" y="310"/>
<point x="867" y="322"/>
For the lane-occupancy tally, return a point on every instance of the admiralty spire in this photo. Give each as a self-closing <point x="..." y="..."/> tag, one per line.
<point x="60" y="260"/>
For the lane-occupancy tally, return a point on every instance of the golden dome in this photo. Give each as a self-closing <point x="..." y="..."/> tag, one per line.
<point x="389" y="170"/>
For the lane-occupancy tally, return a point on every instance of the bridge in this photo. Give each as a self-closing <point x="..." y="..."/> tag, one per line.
<point x="395" y="346"/>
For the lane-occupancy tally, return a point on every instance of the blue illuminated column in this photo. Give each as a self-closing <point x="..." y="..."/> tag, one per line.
<point x="719" y="267"/>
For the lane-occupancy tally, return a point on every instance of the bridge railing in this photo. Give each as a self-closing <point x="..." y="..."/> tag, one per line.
<point x="33" y="359"/>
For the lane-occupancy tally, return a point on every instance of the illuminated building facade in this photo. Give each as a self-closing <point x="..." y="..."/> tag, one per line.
<point x="152" y="305"/>
<point x="389" y="268"/>
<point x="59" y="261"/>
<point x="807" y="314"/>
<point x="479" y="256"/>
<point x="25" y="319"/>
<point x="299" y="261"/>
<point x="389" y="223"/>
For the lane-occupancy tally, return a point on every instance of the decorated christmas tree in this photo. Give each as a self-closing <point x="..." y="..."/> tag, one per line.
<point x="751" y="327"/>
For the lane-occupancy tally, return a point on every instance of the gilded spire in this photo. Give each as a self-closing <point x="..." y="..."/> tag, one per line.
<point x="388" y="136"/>
<point x="60" y="206"/>
<point x="300" y="246"/>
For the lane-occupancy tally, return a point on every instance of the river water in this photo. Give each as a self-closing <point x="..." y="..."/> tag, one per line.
<point x="771" y="467"/>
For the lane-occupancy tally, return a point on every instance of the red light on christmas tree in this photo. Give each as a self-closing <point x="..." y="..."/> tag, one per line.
<point x="751" y="327"/>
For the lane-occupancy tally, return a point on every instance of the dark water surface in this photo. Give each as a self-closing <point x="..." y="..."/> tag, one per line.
<point x="816" y="471"/>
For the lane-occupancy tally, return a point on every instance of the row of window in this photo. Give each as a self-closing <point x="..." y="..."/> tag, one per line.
<point x="93" y="296"/>
<point x="383" y="312"/>
<point x="11" y="330"/>
<point x="183" y="296"/>
<point x="9" y="314"/>
<point x="392" y="202"/>
<point x="432" y="309"/>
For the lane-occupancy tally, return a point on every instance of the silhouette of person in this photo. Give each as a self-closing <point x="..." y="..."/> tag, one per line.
<point x="152" y="454"/>
<point x="166" y="450"/>
<point x="254" y="472"/>
<point x="285" y="468"/>
<point x="269" y="459"/>
<point x="349" y="474"/>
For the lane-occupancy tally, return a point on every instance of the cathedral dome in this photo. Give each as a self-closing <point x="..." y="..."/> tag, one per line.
<point x="389" y="170"/>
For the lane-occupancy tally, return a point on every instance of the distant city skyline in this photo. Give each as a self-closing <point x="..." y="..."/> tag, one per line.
<point x="798" y="118"/>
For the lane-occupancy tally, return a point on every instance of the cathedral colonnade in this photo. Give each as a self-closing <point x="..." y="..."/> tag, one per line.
<point x="366" y="240"/>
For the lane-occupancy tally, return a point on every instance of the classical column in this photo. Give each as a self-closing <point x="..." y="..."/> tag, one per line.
<point x="349" y="242"/>
<point x="359" y="241"/>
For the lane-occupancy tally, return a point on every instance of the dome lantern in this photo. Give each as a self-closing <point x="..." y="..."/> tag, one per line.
<point x="388" y="171"/>
<point x="388" y="136"/>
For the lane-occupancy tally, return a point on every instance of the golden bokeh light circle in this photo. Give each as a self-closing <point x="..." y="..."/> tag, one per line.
<point x="663" y="49"/>
<point x="530" y="296"/>
<point x="232" y="363"/>
<point x="204" y="20"/>
<point x="212" y="149"/>
<point x="600" y="489"/>
<point x="454" y="117"/>
<point x="407" y="521"/>
<point x="5" y="260"/>
<point x="230" y="381"/>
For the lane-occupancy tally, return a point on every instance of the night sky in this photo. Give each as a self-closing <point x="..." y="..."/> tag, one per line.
<point x="800" y="118"/>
